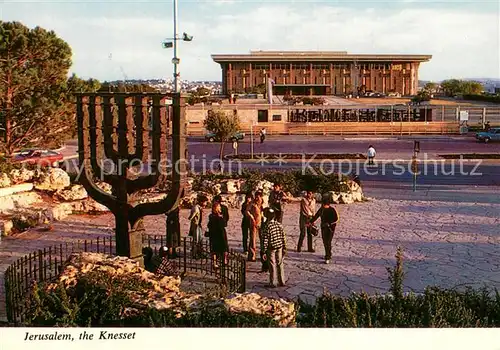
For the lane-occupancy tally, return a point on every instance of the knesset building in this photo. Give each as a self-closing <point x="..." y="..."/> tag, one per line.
<point x="320" y="72"/>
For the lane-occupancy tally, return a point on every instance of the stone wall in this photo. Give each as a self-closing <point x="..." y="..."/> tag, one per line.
<point x="30" y="197"/>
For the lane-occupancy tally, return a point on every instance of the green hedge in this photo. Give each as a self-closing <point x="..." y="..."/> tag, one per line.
<point x="485" y="98"/>
<point x="292" y="181"/>
<point x="99" y="299"/>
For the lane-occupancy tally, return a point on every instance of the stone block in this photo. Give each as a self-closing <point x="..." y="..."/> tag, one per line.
<point x="7" y="191"/>
<point x="52" y="180"/>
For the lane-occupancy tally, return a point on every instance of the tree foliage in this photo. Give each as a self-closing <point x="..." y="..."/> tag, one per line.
<point x="431" y="87"/>
<point x="223" y="125"/>
<point x="36" y="95"/>
<point x="422" y="96"/>
<point x="454" y="87"/>
<point x="202" y="94"/>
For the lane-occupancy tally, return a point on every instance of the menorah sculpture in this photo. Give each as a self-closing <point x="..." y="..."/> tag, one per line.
<point x="127" y="130"/>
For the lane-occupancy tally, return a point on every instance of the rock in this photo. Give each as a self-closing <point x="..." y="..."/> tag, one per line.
<point x="155" y="197"/>
<point x="212" y="187"/>
<point x="233" y="200"/>
<point x="4" y="180"/>
<point x="164" y="292"/>
<point x="7" y="191"/>
<point x="264" y="186"/>
<point x="189" y="200"/>
<point x="6" y="227"/>
<point x="76" y="192"/>
<point x="21" y="175"/>
<point x="346" y="198"/>
<point x="332" y="196"/>
<point x="231" y="186"/>
<point x="61" y="211"/>
<point x="18" y="201"/>
<point x="353" y="186"/>
<point x="357" y="196"/>
<point x="52" y="180"/>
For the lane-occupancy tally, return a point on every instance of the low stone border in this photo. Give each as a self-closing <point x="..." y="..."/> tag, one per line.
<point x="471" y="156"/>
<point x="246" y="156"/>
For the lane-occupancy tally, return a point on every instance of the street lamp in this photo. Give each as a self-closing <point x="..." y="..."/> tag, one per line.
<point x="172" y="43"/>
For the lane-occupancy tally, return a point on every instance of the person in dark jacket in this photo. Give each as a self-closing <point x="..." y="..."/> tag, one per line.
<point x="217" y="234"/>
<point x="224" y="209"/>
<point x="173" y="232"/>
<point x="277" y="200"/>
<point x="329" y="219"/>
<point x="245" y="221"/>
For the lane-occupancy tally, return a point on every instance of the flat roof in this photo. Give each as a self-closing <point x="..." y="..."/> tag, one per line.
<point x="318" y="56"/>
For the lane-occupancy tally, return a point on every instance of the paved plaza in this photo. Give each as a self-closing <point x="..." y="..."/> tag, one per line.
<point x="450" y="239"/>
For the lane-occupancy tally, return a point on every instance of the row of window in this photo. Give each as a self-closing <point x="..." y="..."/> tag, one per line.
<point x="286" y="66"/>
<point x="297" y="80"/>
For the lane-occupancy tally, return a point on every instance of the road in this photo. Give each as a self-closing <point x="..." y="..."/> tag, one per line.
<point x="479" y="173"/>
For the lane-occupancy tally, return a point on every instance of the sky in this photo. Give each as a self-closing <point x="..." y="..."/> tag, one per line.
<point x="114" y="39"/>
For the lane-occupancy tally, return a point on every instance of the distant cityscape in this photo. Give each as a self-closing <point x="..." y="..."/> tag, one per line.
<point x="166" y="85"/>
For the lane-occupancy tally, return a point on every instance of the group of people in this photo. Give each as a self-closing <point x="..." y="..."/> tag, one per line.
<point x="264" y="224"/>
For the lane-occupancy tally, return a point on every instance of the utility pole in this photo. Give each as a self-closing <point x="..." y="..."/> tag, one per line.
<point x="172" y="43"/>
<point x="172" y="219"/>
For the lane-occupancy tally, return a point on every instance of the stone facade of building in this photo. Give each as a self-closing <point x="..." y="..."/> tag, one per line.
<point x="320" y="72"/>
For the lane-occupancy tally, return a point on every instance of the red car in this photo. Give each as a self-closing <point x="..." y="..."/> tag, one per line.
<point x="42" y="157"/>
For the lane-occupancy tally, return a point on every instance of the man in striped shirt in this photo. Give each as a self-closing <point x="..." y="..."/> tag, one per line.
<point x="274" y="240"/>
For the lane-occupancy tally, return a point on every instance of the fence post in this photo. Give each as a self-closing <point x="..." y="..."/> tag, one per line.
<point x="40" y="266"/>
<point x="483" y="118"/>
<point x="243" y="286"/>
<point x="185" y="254"/>
<point x="8" y="281"/>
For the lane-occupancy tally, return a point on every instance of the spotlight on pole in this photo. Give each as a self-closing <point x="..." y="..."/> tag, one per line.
<point x="187" y="37"/>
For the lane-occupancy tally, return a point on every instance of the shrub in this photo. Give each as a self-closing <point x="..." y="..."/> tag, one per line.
<point x="22" y="223"/>
<point x="434" y="308"/>
<point x="6" y="166"/>
<point x="292" y="181"/>
<point x="100" y="299"/>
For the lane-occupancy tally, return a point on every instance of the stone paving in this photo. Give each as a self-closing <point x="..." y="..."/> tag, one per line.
<point x="449" y="243"/>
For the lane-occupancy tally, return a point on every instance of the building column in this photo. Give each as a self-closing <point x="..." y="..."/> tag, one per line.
<point x="416" y="76"/>
<point x="224" y="79"/>
<point x="332" y="80"/>
<point x="250" y="76"/>
<point x="230" y="85"/>
<point x="384" y="81"/>
<point x="372" y="75"/>
<point x="391" y="79"/>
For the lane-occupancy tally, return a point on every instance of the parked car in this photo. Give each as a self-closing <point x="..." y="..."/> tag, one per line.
<point x="211" y="137"/>
<point x="43" y="157"/>
<point x="492" y="134"/>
